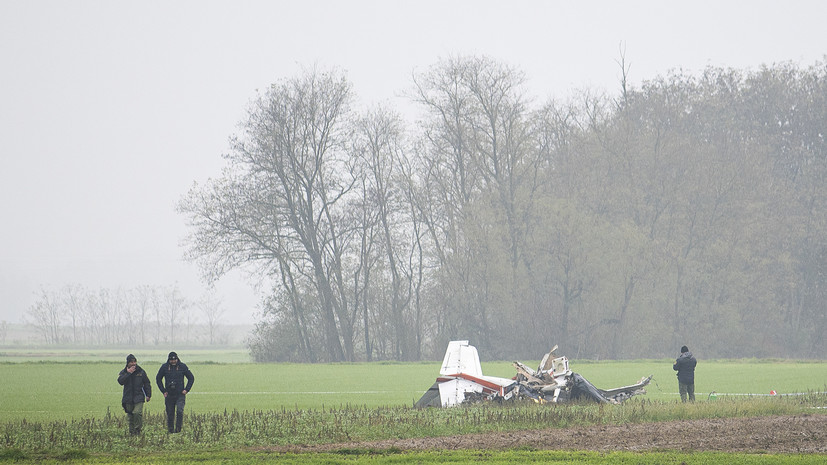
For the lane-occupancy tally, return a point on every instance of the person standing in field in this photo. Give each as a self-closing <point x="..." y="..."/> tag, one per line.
<point x="170" y="380"/>
<point x="685" y="366"/>
<point x="137" y="388"/>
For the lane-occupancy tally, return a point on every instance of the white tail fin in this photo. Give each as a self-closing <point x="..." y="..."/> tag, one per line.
<point x="460" y="357"/>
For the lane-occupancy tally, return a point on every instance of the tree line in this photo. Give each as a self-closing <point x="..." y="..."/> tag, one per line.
<point x="690" y="209"/>
<point x="144" y="315"/>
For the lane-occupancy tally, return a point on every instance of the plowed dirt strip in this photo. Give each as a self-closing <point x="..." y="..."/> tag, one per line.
<point x="778" y="434"/>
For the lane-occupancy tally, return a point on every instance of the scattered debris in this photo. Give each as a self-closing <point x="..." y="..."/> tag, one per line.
<point x="461" y="380"/>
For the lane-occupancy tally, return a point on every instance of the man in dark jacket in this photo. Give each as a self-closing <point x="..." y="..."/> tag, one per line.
<point x="685" y="366"/>
<point x="137" y="388"/>
<point x="175" y="392"/>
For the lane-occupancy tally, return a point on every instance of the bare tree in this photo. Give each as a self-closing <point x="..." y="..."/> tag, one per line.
<point x="481" y="174"/>
<point x="378" y="145"/>
<point x="176" y="316"/>
<point x="46" y="315"/>
<point x="282" y="202"/>
<point x="75" y="299"/>
<point x="213" y="310"/>
<point x="143" y="297"/>
<point x="158" y="313"/>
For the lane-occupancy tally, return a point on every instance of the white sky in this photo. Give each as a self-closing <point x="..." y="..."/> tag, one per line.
<point x="110" y="110"/>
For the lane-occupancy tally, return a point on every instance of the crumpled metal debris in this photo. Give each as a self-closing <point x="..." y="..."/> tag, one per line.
<point x="461" y="381"/>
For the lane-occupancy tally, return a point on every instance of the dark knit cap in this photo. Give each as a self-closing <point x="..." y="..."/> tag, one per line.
<point x="172" y="355"/>
<point x="131" y="358"/>
<point x="684" y="349"/>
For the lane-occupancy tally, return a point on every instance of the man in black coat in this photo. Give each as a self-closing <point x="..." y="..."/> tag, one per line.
<point x="175" y="391"/>
<point x="137" y="388"/>
<point x="685" y="366"/>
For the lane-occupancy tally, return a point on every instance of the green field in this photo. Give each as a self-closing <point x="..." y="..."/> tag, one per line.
<point x="68" y="406"/>
<point x="59" y="391"/>
<point x="39" y="391"/>
<point x="464" y="457"/>
<point x="147" y="357"/>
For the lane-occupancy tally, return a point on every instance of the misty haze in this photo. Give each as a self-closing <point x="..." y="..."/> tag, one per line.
<point x="378" y="202"/>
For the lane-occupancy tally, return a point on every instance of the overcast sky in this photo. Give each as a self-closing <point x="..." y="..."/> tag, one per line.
<point x="110" y="110"/>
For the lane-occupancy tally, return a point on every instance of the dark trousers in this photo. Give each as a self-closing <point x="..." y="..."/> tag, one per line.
<point x="687" y="389"/>
<point x="175" y="405"/>
<point x="135" y="415"/>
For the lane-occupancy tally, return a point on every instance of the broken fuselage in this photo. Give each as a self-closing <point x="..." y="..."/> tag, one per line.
<point x="461" y="380"/>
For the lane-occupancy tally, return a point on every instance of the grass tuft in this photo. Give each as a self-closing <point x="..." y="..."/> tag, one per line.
<point x="74" y="454"/>
<point x="13" y="455"/>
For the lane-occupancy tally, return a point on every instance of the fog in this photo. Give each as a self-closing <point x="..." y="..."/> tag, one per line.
<point x="109" y="111"/>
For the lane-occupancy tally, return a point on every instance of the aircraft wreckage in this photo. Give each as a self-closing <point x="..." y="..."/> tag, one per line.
<point x="461" y="381"/>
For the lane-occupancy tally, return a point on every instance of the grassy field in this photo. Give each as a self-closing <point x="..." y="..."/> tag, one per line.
<point x="49" y="390"/>
<point x="465" y="457"/>
<point x="68" y="407"/>
<point x="61" y="391"/>
<point x="152" y="356"/>
<point x="254" y="437"/>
